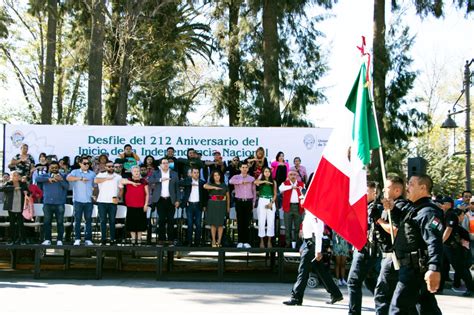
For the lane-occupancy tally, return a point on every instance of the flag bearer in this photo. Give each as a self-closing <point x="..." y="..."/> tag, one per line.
<point x="366" y="261"/>
<point x="419" y="250"/>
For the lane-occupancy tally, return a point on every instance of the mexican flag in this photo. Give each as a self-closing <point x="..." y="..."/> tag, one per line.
<point x="338" y="192"/>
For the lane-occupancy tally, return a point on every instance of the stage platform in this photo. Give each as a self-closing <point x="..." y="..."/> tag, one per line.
<point x="159" y="262"/>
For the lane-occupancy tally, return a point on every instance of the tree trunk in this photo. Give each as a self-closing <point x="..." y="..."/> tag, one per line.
<point x="71" y="112"/>
<point x="271" y="82"/>
<point x="48" y="88"/>
<point x="96" y="56"/>
<point x="114" y="84"/>
<point x="59" y="74"/>
<point x="41" y="55"/>
<point x="234" y="63"/>
<point x="131" y="11"/>
<point x="158" y="109"/>
<point x="122" y="106"/>
<point x="380" y="68"/>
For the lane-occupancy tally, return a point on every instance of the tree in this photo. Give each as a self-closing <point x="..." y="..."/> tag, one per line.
<point x="47" y="92"/>
<point x="278" y="70"/>
<point x="5" y="22"/>
<point x="271" y="81"/>
<point x="112" y="62"/>
<point x="446" y="170"/>
<point x="396" y="128"/>
<point x="96" y="55"/>
<point x="131" y="10"/>
<point x="161" y="91"/>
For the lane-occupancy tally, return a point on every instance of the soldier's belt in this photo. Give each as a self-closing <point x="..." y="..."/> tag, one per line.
<point x="410" y="259"/>
<point x="388" y="254"/>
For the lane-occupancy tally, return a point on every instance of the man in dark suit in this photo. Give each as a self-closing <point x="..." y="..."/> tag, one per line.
<point x="165" y="198"/>
<point x="195" y="201"/>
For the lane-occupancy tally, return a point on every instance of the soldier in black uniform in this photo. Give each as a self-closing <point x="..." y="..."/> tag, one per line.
<point x="388" y="276"/>
<point x="419" y="249"/>
<point x="447" y="205"/>
<point x="452" y="238"/>
<point x="365" y="261"/>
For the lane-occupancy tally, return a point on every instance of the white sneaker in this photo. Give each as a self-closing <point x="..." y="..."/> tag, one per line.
<point x="77" y="242"/>
<point x="59" y="243"/>
<point x="344" y="283"/>
<point x="89" y="243"/>
<point x="46" y="242"/>
<point x="247" y="245"/>
<point x="240" y="245"/>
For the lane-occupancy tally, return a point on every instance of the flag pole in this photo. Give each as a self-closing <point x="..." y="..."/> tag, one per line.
<point x="396" y="265"/>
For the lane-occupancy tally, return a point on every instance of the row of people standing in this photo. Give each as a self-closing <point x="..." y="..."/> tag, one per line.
<point x="59" y="176"/>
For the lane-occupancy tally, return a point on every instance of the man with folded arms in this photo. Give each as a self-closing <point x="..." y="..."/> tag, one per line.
<point x="54" y="197"/>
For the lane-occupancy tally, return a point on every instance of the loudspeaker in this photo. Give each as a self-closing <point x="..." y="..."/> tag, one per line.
<point x="417" y="166"/>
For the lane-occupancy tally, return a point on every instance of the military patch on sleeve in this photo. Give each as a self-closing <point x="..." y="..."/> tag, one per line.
<point x="436" y="224"/>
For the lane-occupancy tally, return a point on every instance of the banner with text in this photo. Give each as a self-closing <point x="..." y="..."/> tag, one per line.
<point x="306" y="143"/>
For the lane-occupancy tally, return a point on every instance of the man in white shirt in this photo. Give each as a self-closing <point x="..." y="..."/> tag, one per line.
<point x="109" y="192"/>
<point x="311" y="255"/>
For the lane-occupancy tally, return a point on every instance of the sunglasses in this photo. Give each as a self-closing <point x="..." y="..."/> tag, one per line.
<point x="85" y="164"/>
<point x="109" y="166"/>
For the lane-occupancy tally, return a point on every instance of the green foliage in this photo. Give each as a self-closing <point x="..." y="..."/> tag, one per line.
<point x="170" y="42"/>
<point x="401" y="119"/>
<point x="446" y="170"/>
<point x="301" y="60"/>
<point x="5" y="22"/>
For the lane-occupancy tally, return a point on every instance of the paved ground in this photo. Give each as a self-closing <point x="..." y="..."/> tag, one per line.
<point x="132" y="296"/>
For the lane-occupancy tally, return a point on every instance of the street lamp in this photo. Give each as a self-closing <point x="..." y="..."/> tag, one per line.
<point x="450" y="123"/>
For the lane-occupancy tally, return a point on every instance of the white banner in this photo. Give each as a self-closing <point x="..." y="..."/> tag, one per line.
<point x="306" y="143"/>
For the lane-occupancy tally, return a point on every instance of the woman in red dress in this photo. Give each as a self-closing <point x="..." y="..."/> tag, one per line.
<point x="136" y="196"/>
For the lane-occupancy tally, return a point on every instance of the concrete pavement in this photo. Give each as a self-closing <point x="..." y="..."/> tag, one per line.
<point x="133" y="296"/>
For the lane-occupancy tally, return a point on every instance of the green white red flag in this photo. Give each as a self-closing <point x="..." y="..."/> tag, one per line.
<point x="338" y="192"/>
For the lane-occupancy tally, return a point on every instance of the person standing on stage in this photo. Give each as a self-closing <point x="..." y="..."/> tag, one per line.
<point x="244" y="200"/>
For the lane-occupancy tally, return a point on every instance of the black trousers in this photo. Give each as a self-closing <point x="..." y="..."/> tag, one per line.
<point x="307" y="255"/>
<point x="364" y="265"/>
<point x="244" y="215"/>
<point x="445" y="267"/>
<point x="457" y="260"/>
<point x="410" y="290"/>
<point x="166" y="212"/>
<point x="386" y="283"/>
<point x="16" y="226"/>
